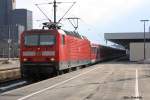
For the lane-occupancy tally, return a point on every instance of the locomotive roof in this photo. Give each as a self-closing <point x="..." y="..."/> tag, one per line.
<point x="71" y="33"/>
<point x="105" y="46"/>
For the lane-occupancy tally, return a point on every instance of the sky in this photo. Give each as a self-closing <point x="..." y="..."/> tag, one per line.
<point x="96" y="16"/>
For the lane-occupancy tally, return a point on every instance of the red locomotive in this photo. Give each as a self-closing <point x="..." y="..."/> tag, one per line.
<point x="49" y="51"/>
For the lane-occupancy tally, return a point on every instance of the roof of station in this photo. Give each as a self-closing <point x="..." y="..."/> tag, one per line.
<point x="125" y="39"/>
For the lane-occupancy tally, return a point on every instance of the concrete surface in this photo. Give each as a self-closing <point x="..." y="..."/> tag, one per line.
<point x="9" y="71"/>
<point x="11" y="65"/>
<point x="137" y="51"/>
<point x="110" y="81"/>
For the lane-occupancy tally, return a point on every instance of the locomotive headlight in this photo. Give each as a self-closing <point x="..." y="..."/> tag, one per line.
<point x="28" y="53"/>
<point x="25" y="59"/>
<point x="52" y="59"/>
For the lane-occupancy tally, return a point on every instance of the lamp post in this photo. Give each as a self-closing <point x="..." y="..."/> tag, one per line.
<point x="149" y="32"/>
<point x="144" y="21"/>
<point x="9" y="42"/>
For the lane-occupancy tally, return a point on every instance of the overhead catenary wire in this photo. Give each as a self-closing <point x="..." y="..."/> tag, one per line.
<point x="91" y="27"/>
<point x="73" y="23"/>
<point x="43" y="12"/>
<point x="54" y="24"/>
<point x="67" y="12"/>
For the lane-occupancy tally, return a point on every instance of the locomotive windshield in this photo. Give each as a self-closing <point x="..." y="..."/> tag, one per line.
<point x="39" y="39"/>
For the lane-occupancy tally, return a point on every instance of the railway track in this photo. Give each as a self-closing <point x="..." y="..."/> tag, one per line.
<point x="13" y="84"/>
<point x="7" y="85"/>
<point x="17" y="82"/>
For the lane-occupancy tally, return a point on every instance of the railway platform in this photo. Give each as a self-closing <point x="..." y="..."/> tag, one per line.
<point x="9" y="71"/>
<point x="104" y="81"/>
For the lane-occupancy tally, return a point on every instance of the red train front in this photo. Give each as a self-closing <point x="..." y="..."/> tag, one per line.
<point x="46" y="52"/>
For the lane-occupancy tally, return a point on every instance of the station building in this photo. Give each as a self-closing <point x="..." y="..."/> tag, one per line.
<point x="134" y="44"/>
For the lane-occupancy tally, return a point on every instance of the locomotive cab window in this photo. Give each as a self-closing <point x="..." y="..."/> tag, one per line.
<point x="47" y="39"/>
<point x="39" y="39"/>
<point x="31" y="40"/>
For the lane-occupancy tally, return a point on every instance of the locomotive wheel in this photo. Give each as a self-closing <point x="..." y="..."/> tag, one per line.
<point x="61" y="72"/>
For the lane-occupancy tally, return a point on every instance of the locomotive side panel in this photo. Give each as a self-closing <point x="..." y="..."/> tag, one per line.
<point x="77" y="52"/>
<point x="73" y="51"/>
<point x="73" y="46"/>
<point x="63" y="52"/>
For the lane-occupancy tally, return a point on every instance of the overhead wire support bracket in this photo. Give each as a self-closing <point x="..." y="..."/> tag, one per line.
<point x="54" y="24"/>
<point x="75" y="25"/>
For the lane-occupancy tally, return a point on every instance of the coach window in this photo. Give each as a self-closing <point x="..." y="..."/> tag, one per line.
<point x="63" y="39"/>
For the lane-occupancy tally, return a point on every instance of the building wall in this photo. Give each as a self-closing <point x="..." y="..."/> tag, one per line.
<point x="6" y="6"/>
<point x="22" y="17"/>
<point x="137" y="51"/>
<point x="2" y="12"/>
<point x="29" y="20"/>
<point x="13" y="30"/>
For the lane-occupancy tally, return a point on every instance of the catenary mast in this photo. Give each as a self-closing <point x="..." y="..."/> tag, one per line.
<point x="55" y="6"/>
